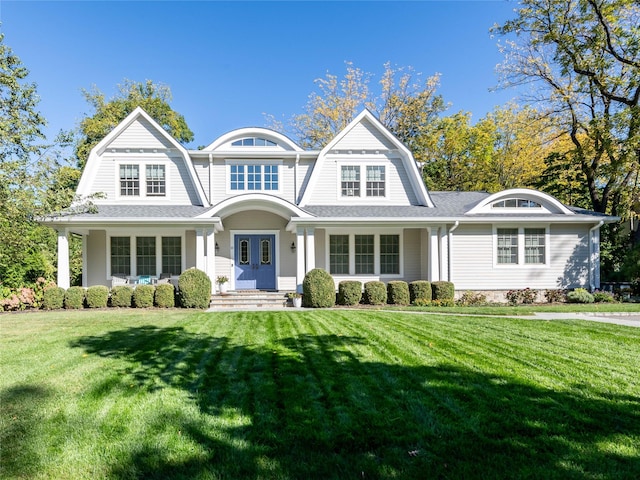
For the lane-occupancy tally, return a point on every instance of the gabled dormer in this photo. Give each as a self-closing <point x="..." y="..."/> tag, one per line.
<point x="365" y="164"/>
<point x="139" y="163"/>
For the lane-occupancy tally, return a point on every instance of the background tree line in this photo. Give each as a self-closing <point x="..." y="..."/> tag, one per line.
<point x="575" y="133"/>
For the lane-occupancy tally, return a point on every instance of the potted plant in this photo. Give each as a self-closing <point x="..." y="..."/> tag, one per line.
<point x="296" y="299"/>
<point x="222" y="281"/>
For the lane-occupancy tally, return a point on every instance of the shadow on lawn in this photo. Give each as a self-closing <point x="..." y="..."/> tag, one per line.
<point x="316" y="409"/>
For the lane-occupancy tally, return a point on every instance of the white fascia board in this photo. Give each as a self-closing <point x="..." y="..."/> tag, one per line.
<point x="256" y="154"/>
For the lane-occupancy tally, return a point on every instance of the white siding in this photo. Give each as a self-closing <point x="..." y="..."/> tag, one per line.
<point x="412" y="252"/>
<point x="201" y="167"/>
<point x="140" y="134"/>
<point x="97" y="258"/>
<point x="473" y="265"/>
<point x="364" y="135"/>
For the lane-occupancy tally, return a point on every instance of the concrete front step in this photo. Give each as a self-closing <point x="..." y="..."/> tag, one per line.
<point x="252" y="299"/>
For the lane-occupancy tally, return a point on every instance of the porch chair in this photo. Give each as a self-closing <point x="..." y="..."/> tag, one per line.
<point x="119" y="279"/>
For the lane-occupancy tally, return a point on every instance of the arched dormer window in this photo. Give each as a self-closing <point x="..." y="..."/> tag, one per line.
<point x="516" y="203"/>
<point x="254" y="142"/>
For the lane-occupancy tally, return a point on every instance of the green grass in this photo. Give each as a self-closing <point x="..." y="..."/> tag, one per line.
<point x="344" y="394"/>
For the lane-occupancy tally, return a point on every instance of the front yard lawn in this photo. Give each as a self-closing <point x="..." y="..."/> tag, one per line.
<point x="344" y="394"/>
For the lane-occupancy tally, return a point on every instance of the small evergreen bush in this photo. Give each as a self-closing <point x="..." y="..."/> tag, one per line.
<point x="420" y="290"/>
<point x="318" y="289"/>
<point x="74" y="298"/>
<point x="165" y="296"/>
<point x="143" y="296"/>
<point x="97" y="296"/>
<point x="121" y="296"/>
<point x="375" y="293"/>
<point x="442" y="290"/>
<point x="603" y="297"/>
<point x="194" y="289"/>
<point x="349" y="292"/>
<point x="579" y="295"/>
<point x="53" y="298"/>
<point x="398" y="293"/>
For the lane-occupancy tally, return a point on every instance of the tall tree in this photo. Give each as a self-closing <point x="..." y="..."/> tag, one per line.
<point x="584" y="56"/>
<point x="154" y="98"/>
<point x="404" y="104"/>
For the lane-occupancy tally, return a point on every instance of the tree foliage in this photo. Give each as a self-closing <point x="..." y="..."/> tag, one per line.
<point x="405" y="104"/>
<point x="153" y="98"/>
<point x="584" y="57"/>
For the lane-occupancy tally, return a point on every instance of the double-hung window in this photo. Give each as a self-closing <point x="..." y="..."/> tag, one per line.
<point x="368" y="254"/>
<point x="521" y="246"/>
<point x="364" y="254"/>
<point x="375" y="181"/>
<point x="389" y="254"/>
<point x="146" y="255"/>
<point x="339" y="254"/>
<point x="156" y="181"/>
<point x="171" y="255"/>
<point x="120" y="256"/>
<point x="350" y="180"/>
<point x="129" y="180"/>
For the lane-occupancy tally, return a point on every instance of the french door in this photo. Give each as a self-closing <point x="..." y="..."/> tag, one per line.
<point x="255" y="262"/>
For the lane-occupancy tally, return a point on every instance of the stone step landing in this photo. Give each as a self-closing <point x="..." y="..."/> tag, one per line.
<point x="253" y="299"/>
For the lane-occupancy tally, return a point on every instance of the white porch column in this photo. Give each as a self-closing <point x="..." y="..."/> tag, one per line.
<point x="444" y="253"/>
<point x="64" y="278"/>
<point x="300" y="255"/>
<point x="210" y="267"/>
<point x="594" y="257"/>
<point x="85" y="262"/>
<point x="311" y="249"/>
<point x="433" y="268"/>
<point x="200" y="260"/>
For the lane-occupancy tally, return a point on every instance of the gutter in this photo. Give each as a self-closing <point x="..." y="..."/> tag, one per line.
<point x="592" y="282"/>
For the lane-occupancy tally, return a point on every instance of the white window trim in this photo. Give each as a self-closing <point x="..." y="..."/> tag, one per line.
<point x="362" y="165"/>
<point x="264" y="162"/>
<point x="142" y="167"/>
<point x="521" y="247"/>
<point x="376" y="275"/>
<point x="132" y="249"/>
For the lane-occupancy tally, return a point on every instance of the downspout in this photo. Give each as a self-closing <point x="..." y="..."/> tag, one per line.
<point x="592" y="282"/>
<point x="210" y="178"/>
<point x="449" y="248"/>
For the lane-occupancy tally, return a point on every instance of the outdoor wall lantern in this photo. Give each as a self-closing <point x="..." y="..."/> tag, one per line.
<point x="293" y="246"/>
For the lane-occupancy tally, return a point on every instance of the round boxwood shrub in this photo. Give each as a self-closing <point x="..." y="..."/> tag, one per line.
<point x="442" y="290"/>
<point x="143" y="296"/>
<point x="53" y="298"/>
<point x="121" y="296"/>
<point x="318" y="289"/>
<point x="74" y="298"/>
<point x="97" y="296"/>
<point x="579" y="295"/>
<point x="165" y="296"/>
<point x="375" y="293"/>
<point x="349" y="292"/>
<point x="194" y="289"/>
<point x="398" y="293"/>
<point x="420" y="291"/>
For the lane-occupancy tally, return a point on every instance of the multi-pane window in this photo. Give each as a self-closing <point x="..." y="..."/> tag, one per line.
<point x="120" y="256"/>
<point x="364" y="254"/>
<point x="156" y="182"/>
<point x="389" y="254"/>
<point x="237" y="177"/>
<point x="534" y="245"/>
<point x="350" y="181"/>
<point x="271" y="177"/>
<point x="339" y="254"/>
<point x="375" y="181"/>
<point x="129" y="180"/>
<point x="507" y="239"/>
<point x="254" y="142"/>
<point x="254" y="177"/>
<point x="171" y="255"/>
<point x="146" y="255"/>
<point x="516" y="203"/>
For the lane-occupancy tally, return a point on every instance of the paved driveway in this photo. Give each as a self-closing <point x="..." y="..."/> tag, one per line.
<point x="628" y="319"/>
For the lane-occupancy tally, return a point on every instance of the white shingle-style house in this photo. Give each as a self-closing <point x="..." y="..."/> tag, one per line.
<point x="255" y="207"/>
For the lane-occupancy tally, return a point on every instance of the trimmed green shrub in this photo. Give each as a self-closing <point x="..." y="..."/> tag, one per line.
<point x="194" y="289"/>
<point x="74" y="298"/>
<point x="375" y="293"/>
<point x="349" y="292"/>
<point x="398" y="293"/>
<point x="579" y="295"/>
<point x="143" y="296"/>
<point x="53" y="298"/>
<point x="441" y="290"/>
<point x="420" y="290"/>
<point x="165" y="296"/>
<point x="97" y="296"/>
<point x="121" y="296"/>
<point x="318" y="289"/>
<point x="603" y="297"/>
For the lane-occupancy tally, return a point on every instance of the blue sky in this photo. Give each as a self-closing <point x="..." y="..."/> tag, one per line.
<point x="228" y="63"/>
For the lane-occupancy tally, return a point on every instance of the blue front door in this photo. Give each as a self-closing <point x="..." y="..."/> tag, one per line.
<point x="255" y="262"/>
